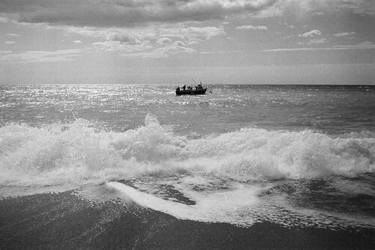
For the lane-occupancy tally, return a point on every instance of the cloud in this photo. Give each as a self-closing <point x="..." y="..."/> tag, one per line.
<point x="343" y="34"/>
<point x="362" y="45"/>
<point x="39" y="56"/>
<point x="77" y="41"/>
<point x="312" y="37"/>
<point x="5" y="52"/>
<point x="367" y="45"/>
<point x="155" y="32"/>
<point x="175" y="48"/>
<point x="157" y="40"/>
<point x="303" y="7"/>
<point x="13" y="35"/>
<point x="218" y="52"/>
<point x="112" y="46"/>
<point x="313" y="41"/>
<point x="164" y="40"/>
<point x="130" y="13"/>
<point x="10" y="42"/>
<point x="312" y="33"/>
<point x="125" y="13"/>
<point x="251" y="27"/>
<point x="4" y="19"/>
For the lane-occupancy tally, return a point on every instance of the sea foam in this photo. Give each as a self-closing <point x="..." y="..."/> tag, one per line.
<point x="75" y="154"/>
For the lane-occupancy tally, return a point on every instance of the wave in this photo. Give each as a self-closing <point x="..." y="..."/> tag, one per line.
<point x="234" y="177"/>
<point x="227" y="207"/>
<point x="241" y="205"/>
<point x="77" y="153"/>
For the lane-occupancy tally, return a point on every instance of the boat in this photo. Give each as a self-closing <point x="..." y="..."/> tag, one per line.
<point x="197" y="90"/>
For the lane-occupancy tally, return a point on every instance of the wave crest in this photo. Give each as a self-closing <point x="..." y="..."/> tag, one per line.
<point x="76" y="154"/>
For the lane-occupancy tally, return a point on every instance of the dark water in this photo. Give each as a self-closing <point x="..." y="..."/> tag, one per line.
<point x="113" y="166"/>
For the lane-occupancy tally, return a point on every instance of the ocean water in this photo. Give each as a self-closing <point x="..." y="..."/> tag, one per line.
<point x="136" y="167"/>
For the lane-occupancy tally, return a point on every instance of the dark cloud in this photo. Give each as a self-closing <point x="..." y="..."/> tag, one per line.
<point x="122" y="13"/>
<point x="102" y="13"/>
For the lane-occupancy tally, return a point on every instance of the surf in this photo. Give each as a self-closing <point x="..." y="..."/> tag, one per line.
<point x="239" y="177"/>
<point x="241" y="205"/>
<point x="77" y="153"/>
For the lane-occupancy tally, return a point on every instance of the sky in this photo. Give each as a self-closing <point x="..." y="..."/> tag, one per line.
<point x="175" y="41"/>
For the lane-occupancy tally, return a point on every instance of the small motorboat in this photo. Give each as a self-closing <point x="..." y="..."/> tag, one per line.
<point x="197" y="90"/>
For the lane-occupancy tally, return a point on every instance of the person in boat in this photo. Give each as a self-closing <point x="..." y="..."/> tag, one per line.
<point x="199" y="86"/>
<point x="190" y="88"/>
<point x="178" y="89"/>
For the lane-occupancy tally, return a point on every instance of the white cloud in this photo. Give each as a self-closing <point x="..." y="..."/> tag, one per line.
<point x="153" y="32"/>
<point x="367" y="45"/>
<point x="13" y="35"/>
<point x="343" y="34"/>
<point x="77" y="41"/>
<point x="39" y="56"/>
<point x="161" y="38"/>
<point x="146" y="49"/>
<point x="164" y="40"/>
<point x="111" y="46"/>
<point x="252" y="27"/>
<point x="175" y="48"/>
<point x="311" y="33"/>
<point x="313" y="41"/>
<point x="312" y="37"/>
<point x="10" y="42"/>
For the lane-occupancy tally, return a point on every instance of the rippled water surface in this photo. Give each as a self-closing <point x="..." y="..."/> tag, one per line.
<point x="333" y="109"/>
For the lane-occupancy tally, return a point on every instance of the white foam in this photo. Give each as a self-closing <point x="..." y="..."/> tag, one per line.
<point x="240" y="206"/>
<point x="220" y="206"/>
<point x="76" y="154"/>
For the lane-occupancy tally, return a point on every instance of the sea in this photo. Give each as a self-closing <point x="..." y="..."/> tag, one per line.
<point x="137" y="167"/>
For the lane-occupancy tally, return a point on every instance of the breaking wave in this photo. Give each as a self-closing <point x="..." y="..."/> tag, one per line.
<point x="76" y="154"/>
<point x="241" y="177"/>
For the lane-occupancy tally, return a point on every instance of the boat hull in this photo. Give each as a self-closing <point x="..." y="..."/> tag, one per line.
<point x="191" y="92"/>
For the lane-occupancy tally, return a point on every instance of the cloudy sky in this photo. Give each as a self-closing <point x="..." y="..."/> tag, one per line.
<point x="169" y="41"/>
